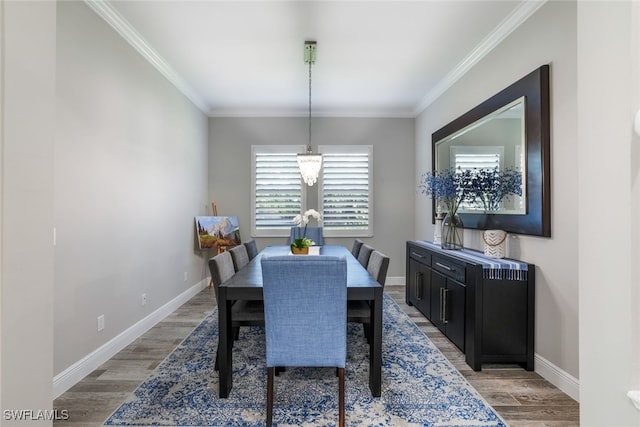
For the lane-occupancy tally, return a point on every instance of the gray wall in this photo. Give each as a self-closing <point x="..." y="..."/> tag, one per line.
<point x="130" y="175"/>
<point x="230" y="141"/>
<point x="549" y="36"/>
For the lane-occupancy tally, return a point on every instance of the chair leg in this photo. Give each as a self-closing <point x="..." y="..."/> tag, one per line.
<point x="341" y="410"/>
<point x="215" y="366"/>
<point x="270" y="375"/>
<point x="367" y="331"/>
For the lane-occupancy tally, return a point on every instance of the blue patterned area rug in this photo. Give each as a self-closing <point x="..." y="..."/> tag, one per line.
<point x="420" y="387"/>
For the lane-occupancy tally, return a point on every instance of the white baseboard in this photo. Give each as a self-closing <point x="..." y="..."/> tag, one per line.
<point x="556" y="376"/>
<point x="83" y="367"/>
<point x="395" y="280"/>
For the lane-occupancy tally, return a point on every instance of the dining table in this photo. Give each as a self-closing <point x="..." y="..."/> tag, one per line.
<point x="246" y="284"/>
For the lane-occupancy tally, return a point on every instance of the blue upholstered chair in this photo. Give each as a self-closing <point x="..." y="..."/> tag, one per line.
<point x="313" y="233"/>
<point x="244" y="313"/>
<point x="303" y="294"/>
<point x="240" y="256"/>
<point x="252" y="248"/>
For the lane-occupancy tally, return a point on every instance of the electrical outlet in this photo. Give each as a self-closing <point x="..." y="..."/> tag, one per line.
<point x="143" y="300"/>
<point x="100" y="322"/>
<point x="186" y="276"/>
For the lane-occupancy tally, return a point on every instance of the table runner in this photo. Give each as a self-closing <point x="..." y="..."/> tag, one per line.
<point x="492" y="268"/>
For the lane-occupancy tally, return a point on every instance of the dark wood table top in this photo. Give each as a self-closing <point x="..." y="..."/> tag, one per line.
<point x="248" y="280"/>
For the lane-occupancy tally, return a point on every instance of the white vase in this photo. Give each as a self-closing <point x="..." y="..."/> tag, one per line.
<point x="437" y="232"/>
<point x="495" y="243"/>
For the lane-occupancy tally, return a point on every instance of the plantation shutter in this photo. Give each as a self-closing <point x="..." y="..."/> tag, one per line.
<point x="466" y="161"/>
<point x="345" y="193"/>
<point x="278" y="191"/>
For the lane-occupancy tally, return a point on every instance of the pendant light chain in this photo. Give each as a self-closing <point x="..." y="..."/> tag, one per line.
<point x="309" y="144"/>
<point x="309" y="163"/>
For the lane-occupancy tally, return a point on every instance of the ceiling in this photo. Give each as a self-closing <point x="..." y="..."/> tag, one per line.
<point x="374" y="58"/>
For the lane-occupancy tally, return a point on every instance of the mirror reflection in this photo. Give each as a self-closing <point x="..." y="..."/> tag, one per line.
<point x="524" y="104"/>
<point x="495" y="141"/>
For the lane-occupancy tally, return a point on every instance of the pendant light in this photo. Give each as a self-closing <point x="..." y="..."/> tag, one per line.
<point x="309" y="163"/>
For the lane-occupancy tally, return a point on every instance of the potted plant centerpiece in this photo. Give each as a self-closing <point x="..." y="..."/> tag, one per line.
<point x="301" y="246"/>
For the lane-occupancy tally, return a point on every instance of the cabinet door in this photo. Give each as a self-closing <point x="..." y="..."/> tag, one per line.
<point x="438" y="287"/>
<point x="455" y="312"/>
<point x="419" y="287"/>
<point x="447" y="307"/>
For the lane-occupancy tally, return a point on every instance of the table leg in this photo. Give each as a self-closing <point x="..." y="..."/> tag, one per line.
<point x="375" y="345"/>
<point x="225" y="363"/>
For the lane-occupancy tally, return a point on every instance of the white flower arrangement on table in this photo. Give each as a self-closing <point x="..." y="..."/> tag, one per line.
<point x="305" y="242"/>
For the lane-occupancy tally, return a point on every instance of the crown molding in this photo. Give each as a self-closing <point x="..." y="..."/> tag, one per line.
<point x="398" y="114"/>
<point x="110" y="15"/>
<point x="519" y="15"/>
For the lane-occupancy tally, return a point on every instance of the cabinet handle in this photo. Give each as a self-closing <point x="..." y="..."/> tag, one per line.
<point x="416" y="254"/>
<point x="418" y="286"/>
<point x="446" y="267"/>
<point x="443" y="305"/>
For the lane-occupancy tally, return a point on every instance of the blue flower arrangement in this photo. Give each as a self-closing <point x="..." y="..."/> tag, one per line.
<point x="489" y="187"/>
<point x="449" y="187"/>
<point x="483" y="187"/>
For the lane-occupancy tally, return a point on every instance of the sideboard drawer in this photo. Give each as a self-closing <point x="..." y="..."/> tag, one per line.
<point x="421" y="256"/>
<point x="449" y="268"/>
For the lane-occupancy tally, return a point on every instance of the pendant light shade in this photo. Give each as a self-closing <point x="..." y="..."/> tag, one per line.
<point x="309" y="163"/>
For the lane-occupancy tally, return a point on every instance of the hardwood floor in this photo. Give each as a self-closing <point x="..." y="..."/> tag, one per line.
<point x="523" y="399"/>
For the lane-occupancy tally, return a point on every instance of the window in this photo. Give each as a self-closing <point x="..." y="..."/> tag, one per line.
<point x="465" y="157"/>
<point x="278" y="190"/>
<point x="345" y="192"/>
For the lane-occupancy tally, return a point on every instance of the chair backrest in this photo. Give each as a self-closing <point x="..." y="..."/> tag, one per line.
<point x="364" y="254"/>
<point x="252" y="248"/>
<point x="305" y="310"/>
<point x="355" y="249"/>
<point x="313" y="233"/>
<point x="239" y="256"/>
<point x="378" y="266"/>
<point x="221" y="268"/>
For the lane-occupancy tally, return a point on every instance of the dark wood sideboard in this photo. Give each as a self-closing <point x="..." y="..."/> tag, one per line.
<point x="486" y="309"/>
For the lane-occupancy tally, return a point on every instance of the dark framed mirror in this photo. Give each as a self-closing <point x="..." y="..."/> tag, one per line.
<point x="512" y="125"/>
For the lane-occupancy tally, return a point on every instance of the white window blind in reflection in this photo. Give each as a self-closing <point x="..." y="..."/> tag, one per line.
<point x="469" y="157"/>
<point x="477" y="161"/>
